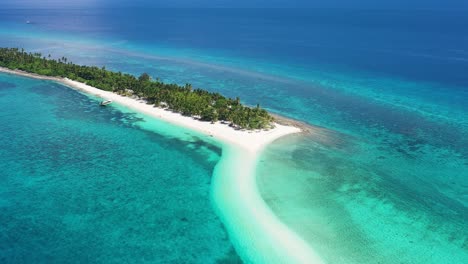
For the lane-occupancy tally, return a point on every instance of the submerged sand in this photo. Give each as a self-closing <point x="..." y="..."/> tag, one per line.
<point x="258" y="235"/>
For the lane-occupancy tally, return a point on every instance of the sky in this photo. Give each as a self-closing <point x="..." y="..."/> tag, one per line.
<point x="359" y="4"/>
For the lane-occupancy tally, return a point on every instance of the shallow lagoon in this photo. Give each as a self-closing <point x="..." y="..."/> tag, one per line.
<point x="98" y="184"/>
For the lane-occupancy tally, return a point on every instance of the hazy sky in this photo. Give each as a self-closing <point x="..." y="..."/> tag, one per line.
<point x="399" y="4"/>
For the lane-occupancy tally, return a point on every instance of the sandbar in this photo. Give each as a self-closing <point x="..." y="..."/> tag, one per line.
<point x="257" y="234"/>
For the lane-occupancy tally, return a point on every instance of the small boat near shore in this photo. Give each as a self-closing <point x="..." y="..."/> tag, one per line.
<point x="105" y="102"/>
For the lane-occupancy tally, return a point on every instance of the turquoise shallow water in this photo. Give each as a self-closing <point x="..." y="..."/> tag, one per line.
<point x="90" y="184"/>
<point x="389" y="181"/>
<point x="352" y="204"/>
<point x="386" y="180"/>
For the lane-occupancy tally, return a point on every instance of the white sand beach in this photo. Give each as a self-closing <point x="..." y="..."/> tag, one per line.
<point x="258" y="235"/>
<point x="252" y="141"/>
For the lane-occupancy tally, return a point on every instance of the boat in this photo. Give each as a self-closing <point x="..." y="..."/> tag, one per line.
<point x="105" y="102"/>
<point x="28" y="22"/>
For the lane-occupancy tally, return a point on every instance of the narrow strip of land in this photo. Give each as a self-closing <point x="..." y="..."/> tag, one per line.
<point x="258" y="235"/>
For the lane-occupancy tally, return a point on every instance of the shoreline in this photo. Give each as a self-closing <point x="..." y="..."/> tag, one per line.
<point x="234" y="188"/>
<point x="252" y="141"/>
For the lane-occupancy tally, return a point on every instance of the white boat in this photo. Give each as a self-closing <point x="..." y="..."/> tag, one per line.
<point x="28" y="22"/>
<point x="105" y="102"/>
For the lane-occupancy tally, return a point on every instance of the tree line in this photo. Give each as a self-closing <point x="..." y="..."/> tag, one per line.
<point x="198" y="103"/>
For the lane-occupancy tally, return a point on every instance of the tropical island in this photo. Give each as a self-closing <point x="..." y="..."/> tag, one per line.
<point x="197" y="103"/>
<point x="212" y="114"/>
<point x="243" y="135"/>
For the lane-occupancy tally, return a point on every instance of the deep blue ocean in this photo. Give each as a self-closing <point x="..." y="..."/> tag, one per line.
<point x="386" y="181"/>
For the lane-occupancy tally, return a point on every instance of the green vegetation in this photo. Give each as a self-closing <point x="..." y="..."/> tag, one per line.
<point x="198" y="103"/>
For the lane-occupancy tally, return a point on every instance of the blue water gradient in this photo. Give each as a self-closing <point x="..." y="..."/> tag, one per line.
<point x="84" y="183"/>
<point x="385" y="179"/>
